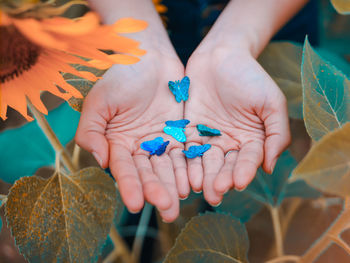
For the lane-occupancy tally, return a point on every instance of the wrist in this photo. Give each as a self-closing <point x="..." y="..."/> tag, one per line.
<point x="238" y="41"/>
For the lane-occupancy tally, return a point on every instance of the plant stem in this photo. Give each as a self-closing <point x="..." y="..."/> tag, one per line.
<point x="51" y="136"/>
<point x="338" y="226"/>
<point x="292" y="208"/>
<point x="277" y="230"/>
<point x="141" y="231"/>
<point x="284" y="259"/>
<point x="120" y="248"/>
<point x="340" y="242"/>
<point x="76" y="155"/>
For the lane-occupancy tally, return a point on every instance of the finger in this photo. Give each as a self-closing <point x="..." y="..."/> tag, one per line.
<point x="124" y="170"/>
<point x="277" y="137"/>
<point x="153" y="189"/>
<point x="224" y="181"/>
<point x="180" y="170"/>
<point x="195" y="171"/>
<point x="248" y="161"/>
<point x="163" y="167"/>
<point x="90" y="134"/>
<point x="213" y="160"/>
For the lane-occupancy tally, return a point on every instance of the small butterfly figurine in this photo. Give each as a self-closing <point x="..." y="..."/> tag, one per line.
<point x="156" y="146"/>
<point x="196" y="151"/>
<point x="206" y="131"/>
<point x="180" y="88"/>
<point x="176" y="129"/>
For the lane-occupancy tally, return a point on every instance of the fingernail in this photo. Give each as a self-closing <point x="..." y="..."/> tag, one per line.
<point x="273" y="165"/>
<point x="200" y="191"/>
<point x="217" y="204"/>
<point x="133" y="212"/>
<point x="183" y="198"/>
<point x="240" y="189"/>
<point x="97" y="158"/>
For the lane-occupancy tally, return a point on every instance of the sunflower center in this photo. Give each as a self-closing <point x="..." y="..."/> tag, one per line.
<point x="17" y="53"/>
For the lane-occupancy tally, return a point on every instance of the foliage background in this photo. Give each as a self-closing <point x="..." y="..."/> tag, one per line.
<point x="303" y="228"/>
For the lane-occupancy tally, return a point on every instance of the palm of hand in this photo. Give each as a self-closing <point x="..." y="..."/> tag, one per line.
<point x="237" y="97"/>
<point x="133" y="110"/>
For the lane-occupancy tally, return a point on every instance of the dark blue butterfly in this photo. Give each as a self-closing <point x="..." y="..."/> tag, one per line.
<point x="180" y="89"/>
<point x="156" y="146"/>
<point x="176" y="129"/>
<point x="206" y="131"/>
<point x="195" y="151"/>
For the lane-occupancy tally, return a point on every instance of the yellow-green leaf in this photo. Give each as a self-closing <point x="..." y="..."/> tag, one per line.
<point x="342" y="6"/>
<point x="327" y="165"/>
<point x="282" y="61"/>
<point x="212" y="237"/>
<point x="64" y="218"/>
<point x="326" y="94"/>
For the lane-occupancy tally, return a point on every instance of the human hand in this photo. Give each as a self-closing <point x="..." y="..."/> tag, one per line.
<point x="125" y="108"/>
<point x="231" y="92"/>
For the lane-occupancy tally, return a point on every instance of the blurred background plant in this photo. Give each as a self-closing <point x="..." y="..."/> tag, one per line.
<point x="300" y="213"/>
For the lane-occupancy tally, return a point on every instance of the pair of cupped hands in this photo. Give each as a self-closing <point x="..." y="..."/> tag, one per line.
<point x="229" y="91"/>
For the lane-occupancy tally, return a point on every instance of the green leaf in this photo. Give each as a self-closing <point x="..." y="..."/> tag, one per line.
<point x="327" y="165"/>
<point x="266" y="189"/>
<point x="212" y="237"/>
<point x="64" y="218"/>
<point x="282" y="61"/>
<point x="342" y="6"/>
<point x="28" y="149"/>
<point x="240" y="204"/>
<point x="301" y="189"/>
<point x="326" y="94"/>
<point x="81" y="84"/>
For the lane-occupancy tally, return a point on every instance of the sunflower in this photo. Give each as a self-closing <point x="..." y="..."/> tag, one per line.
<point x="161" y="9"/>
<point x="35" y="53"/>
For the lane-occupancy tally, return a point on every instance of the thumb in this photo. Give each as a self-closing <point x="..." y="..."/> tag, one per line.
<point x="90" y="134"/>
<point x="277" y="135"/>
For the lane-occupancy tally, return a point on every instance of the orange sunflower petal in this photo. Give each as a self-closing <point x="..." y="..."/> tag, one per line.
<point x="116" y="58"/>
<point x="129" y="25"/>
<point x="33" y="31"/>
<point x="51" y="74"/>
<point x="13" y="95"/>
<point x="161" y="8"/>
<point x="81" y="26"/>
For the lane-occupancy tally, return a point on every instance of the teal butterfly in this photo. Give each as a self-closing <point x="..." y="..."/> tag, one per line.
<point x="176" y="129"/>
<point x="206" y="131"/>
<point x="180" y="89"/>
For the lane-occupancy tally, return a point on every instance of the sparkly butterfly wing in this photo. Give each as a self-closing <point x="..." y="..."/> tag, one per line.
<point x="180" y="89"/>
<point x="179" y="123"/>
<point x="195" y="151"/>
<point x="153" y="145"/>
<point x="176" y="132"/>
<point x="184" y="87"/>
<point x="206" y="131"/>
<point x="175" y="89"/>
<point x="161" y="149"/>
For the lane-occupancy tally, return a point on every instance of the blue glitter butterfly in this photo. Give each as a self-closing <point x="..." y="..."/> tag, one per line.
<point x="180" y="88"/>
<point x="179" y="123"/>
<point x="195" y="151"/>
<point x="156" y="146"/>
<point x="206" y="131"/>
<point x="176" y="129"/>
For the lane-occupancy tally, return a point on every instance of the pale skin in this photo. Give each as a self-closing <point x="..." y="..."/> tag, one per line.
<point x="229" y="91"/>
